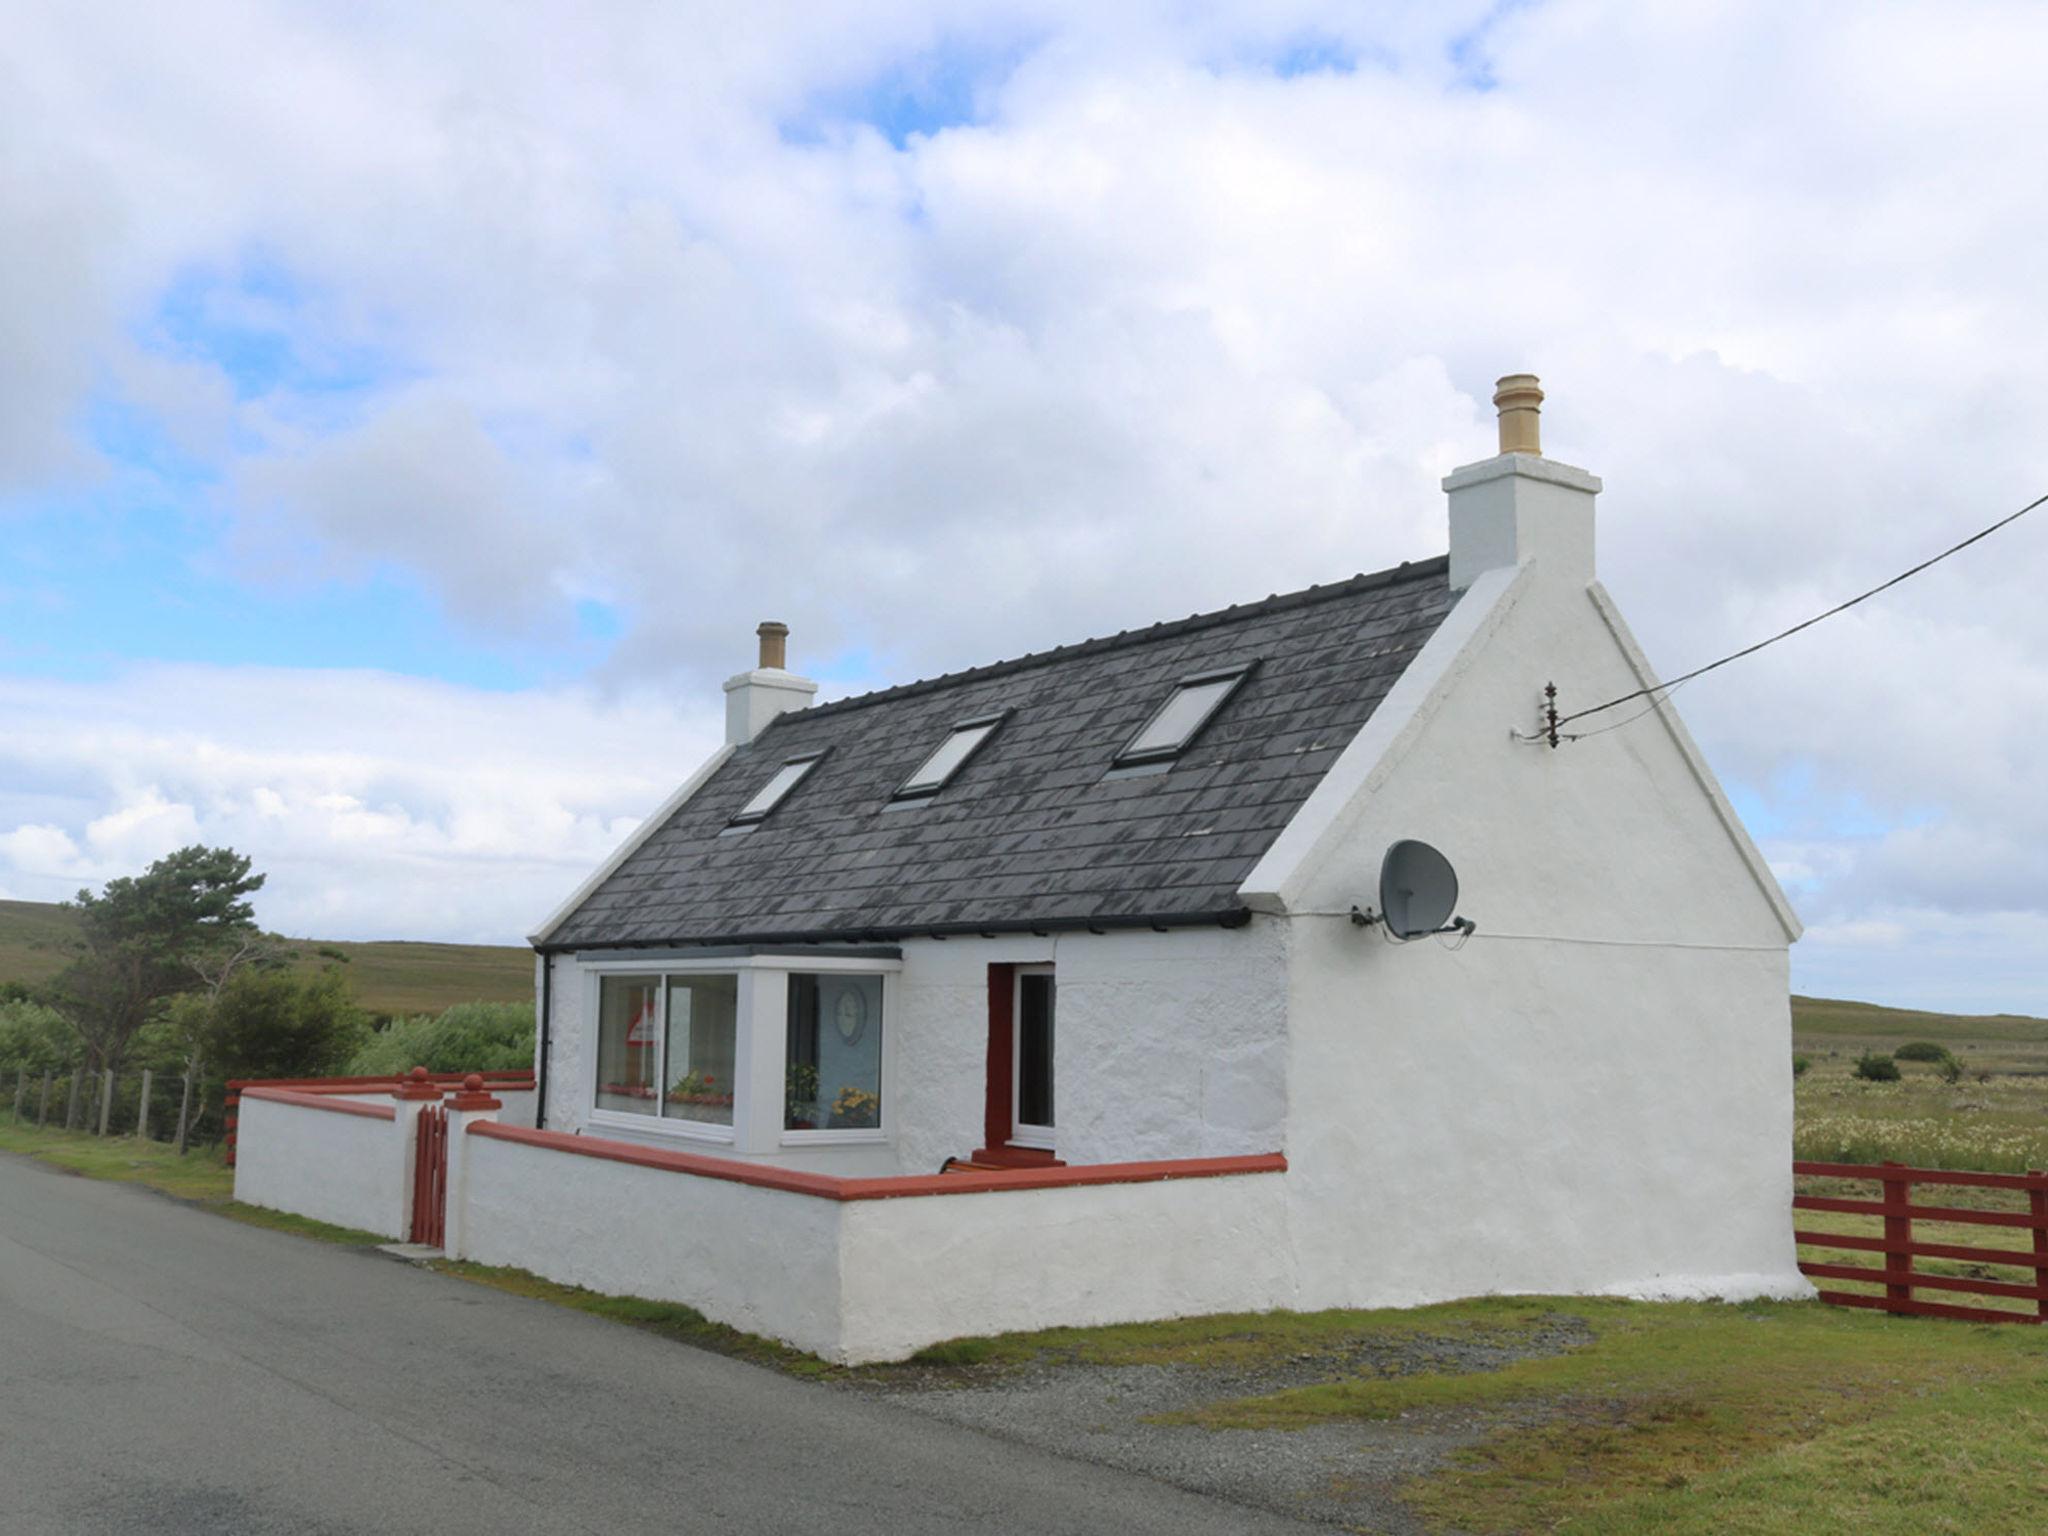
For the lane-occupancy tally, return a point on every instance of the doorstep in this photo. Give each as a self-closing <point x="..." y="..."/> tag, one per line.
<point x="412" y="1253"/>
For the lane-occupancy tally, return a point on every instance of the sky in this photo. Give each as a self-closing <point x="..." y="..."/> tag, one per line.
<point x="409" y="411"/>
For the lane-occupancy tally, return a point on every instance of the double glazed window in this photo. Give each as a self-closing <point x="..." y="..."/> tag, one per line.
<point x="669" y="1047"/>
<point x="833" y="1072"/>
<point x="666" y="1046"/>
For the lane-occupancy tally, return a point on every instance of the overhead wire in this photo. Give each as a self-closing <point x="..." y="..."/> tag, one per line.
<point x="1664" y="690"/>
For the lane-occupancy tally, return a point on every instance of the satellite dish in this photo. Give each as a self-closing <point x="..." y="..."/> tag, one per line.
<point x="1418" y="892"/>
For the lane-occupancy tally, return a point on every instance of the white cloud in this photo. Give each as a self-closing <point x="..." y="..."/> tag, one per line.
<point x="1158" y="330"/>
<point x="379" y="806"/>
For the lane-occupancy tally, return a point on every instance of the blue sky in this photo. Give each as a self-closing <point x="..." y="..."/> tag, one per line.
<point x="363" y="380"/>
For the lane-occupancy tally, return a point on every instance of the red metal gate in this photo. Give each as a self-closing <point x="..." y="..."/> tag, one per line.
<point x="430" y="1178"/>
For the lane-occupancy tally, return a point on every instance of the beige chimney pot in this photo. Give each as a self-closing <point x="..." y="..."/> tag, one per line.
<point x="774" y="645"/>
<point x="1519" y="398"/>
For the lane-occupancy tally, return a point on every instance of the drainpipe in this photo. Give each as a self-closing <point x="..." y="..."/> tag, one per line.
<point x="540" y="1078"/>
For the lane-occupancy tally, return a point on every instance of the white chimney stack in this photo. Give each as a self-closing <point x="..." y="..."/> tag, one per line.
<point x="754" y="698"/>
<point x="1520" y="506"/>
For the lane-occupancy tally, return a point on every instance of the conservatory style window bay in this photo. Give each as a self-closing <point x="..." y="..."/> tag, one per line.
<point x="667" y="1046"/>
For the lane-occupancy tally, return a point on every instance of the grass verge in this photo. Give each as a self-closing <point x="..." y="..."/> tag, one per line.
<point x="1711" y="1417"/>
<point x="668" y="1319"/>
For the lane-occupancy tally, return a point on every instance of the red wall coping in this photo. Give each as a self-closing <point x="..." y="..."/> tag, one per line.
<point x="322" y="1101"/>
<point x="826" y="1186"/>
<point x="511" y="1078"/>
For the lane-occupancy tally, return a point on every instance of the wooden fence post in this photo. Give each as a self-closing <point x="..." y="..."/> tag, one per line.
<point x="142" y="1112"/>
<point x="185" y="1104"/>
<point x="106" y="1099"/>
<point x="2037" y="1203"/>
<point x="43" y="1104"/>
<point x="1898" y="1229"/>
<point x="71" y="1104"/>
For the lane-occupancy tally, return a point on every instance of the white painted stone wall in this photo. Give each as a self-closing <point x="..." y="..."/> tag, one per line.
<point x="1168" y="1046"/>
<point x="923" y="1269"/>
<point x="340" y="1168"/>
<point x="868" y="1280"/>
<point x="1593" y="1094"/>
<point x="761" y="1260"/>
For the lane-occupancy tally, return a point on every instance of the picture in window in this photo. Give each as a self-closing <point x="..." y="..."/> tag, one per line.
<point x="628" y="1043"/>
<point x="834" y="1073"/>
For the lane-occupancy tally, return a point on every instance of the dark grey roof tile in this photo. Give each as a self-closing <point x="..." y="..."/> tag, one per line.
<point x="1032" y="829"/>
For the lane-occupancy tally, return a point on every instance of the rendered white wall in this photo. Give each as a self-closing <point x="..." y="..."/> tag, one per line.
<point x="1595" y="1092"/>
<point x="344" y="1169"/>
<point x="756" y="1259"/>
<point x="1168" y="1045"/>
<point x="919" y="1270"/>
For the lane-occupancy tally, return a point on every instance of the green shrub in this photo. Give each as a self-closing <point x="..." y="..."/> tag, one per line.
<point x="1950" y="1069"/>
<point x="1876" y="1067"/>
<point x="34" y="1039"/>
<point x="470" y="1037"/>
<point x="1921" y="1050"/>
<point x="1800" y="1064"/>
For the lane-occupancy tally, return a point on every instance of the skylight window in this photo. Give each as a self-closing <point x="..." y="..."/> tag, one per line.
<point x="772" y="794"/>
<point x="1181" y="718"/>
<point x="951" y="755"/>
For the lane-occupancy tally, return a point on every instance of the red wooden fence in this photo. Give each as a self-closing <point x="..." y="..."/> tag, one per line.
<point x="1898" y="1247"/>
<point x="430" y="1178"/>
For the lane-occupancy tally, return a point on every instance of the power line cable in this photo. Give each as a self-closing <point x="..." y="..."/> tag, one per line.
<point x="1751" y="650"/>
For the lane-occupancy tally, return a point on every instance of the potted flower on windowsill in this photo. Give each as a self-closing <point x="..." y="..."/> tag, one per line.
<point x="800" y="1097"/>
<point x="855" y="1109"/>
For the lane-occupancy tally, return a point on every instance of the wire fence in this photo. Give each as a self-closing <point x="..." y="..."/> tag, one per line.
<point x="148" y="1105"/>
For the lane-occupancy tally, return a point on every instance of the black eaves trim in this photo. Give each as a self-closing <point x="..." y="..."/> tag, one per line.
<point x="1228" y="917"/>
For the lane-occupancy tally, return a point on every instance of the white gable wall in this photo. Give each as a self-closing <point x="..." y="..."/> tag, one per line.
<point x="1594" y="1093"/>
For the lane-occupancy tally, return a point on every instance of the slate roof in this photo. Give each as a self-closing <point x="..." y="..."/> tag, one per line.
<point x="1029" y="833"/>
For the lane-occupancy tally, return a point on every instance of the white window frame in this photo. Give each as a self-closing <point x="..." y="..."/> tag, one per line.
<point x="805" y="762"/>
<point x="890" y="975"/>
<point x="1133" y="756"/>
<point x="917" y="787"/>
<point x="760" y="1048"/>
<point x="1039" y="1138"/>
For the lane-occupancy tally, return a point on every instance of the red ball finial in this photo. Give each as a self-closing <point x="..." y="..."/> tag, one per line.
<point x="419" y="1074"/>
<point x="474" y="1083"/>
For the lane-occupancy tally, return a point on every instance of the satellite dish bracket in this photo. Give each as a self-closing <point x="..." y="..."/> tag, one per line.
<point x="1365" y="917"/>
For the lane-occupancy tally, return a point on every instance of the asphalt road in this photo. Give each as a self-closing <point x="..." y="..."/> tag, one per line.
<point x="165" y="1371"/>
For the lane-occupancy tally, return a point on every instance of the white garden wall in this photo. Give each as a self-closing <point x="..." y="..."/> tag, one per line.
<point x="852" y="1277"/>
<point x="765" y="1261"/>
<point x="922" y="1269"/>
<point x="319" y="1160"/>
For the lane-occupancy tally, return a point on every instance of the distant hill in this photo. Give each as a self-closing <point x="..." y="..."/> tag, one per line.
<point x="391" y="977"/>
<point x="1821" y="1018"/>
<point x="400" y="976"/>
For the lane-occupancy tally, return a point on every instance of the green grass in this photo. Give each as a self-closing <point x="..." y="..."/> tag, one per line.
<point x="1712" y="1416"/>
<point x="200" y="1177"/>
<point x="1232" y="1340"/>
<point x="669" y="1319"/>
<point x="395" y="977"/>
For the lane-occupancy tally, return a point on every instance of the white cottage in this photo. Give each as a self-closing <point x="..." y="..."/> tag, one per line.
<point x="1033" y="994"/>
<point x="1086" y="917"/>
